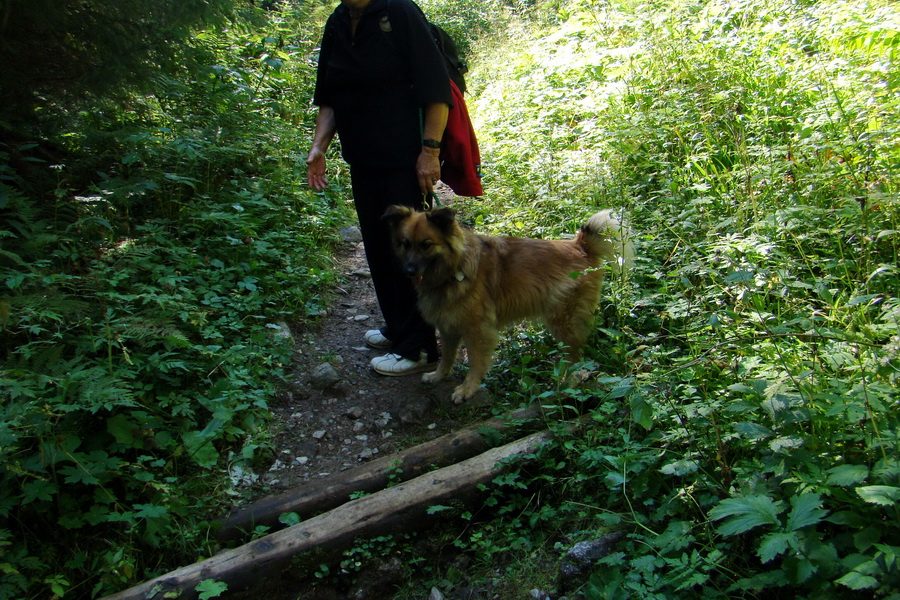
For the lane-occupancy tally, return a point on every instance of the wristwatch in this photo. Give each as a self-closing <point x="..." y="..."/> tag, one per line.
<point x="429" y="143"/>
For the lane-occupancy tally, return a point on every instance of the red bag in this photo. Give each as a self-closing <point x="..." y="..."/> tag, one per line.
<point x="460" y="158"/>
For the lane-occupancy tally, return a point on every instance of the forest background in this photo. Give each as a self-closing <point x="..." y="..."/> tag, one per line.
<point x="156" y="227"/>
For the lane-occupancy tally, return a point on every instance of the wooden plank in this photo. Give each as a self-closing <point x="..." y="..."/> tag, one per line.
<point x="319" y="496"/>
<point x="387" y="511"/>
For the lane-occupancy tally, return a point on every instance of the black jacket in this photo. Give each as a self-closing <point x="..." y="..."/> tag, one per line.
<point x="378" y="80"/>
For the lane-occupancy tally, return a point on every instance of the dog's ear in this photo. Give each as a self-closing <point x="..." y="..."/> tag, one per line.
<point x="442" y="218"/>
<point x="395" y="214"/>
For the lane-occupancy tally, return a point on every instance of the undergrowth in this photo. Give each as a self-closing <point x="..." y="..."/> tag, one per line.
<point x="745" y="371"/>
<point x="147" y="291"/>
<point x="739" y="394"/>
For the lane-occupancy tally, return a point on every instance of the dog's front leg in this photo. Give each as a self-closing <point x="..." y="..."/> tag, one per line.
<point x="481" y="347"/>
<point x="449" y="347"/>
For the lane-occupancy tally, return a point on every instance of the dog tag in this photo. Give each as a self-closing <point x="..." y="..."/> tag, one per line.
<point x="460" y="276"/>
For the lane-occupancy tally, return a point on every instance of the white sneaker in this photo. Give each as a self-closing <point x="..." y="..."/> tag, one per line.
<point x="375" y="339"/>
<point x="395" y="365"/>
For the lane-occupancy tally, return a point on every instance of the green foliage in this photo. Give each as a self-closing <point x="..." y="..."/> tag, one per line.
<point x="746" y="370"/>
<point x="740" y="388"/>
<point x="53" y="52"/>
<point x="140" y="300"/>
<point x="210" y="588"/>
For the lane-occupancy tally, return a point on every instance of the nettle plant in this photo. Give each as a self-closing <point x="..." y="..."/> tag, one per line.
<point x="754" y="148"/>
<point x="141" y="301"/>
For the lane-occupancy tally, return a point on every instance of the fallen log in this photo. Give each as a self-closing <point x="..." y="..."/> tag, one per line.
<point x="387" y="511"/>
<point x="318" y="496"/>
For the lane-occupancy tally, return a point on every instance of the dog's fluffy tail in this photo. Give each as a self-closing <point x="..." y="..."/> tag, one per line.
<point x="607" y="238"/>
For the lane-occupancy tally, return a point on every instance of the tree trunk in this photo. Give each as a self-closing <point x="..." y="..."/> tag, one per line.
<point x="387" y="511"/>
<point x="318" y="496"/>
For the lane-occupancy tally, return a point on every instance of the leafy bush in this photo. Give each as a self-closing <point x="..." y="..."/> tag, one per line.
<point x="754" y="349"/>
<point x="142" y="299"/>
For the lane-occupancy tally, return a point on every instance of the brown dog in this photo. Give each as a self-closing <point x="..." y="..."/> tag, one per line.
<point x="471" y="286"/>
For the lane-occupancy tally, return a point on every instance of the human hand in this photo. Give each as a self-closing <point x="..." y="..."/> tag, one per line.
<point x="428" y="168"/>
<point x="315" y="163"/>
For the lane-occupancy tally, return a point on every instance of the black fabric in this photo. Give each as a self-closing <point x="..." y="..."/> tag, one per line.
<point x="374" y="189"/>
<point x="378" y="80"/>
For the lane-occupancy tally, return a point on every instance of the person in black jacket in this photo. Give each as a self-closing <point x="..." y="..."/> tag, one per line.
<point x="382" y="87"/>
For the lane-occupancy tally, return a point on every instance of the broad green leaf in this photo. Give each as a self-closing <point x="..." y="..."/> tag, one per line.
<point x="290" y="519"/>
<point x="742" y="388"/>
<point x="78" y="474"/>
<point x="775" y="544"/>
<point x="149" y="511"/>
<point x="743" y="514"/>
<point x="201" y="449"/>
<point x="753" y="431"/>
<point x="121" y="428"/>
<point x="38" y="490"/>
<point x="847" y="517"/>
<point x="806" y="510"/>
<point x="847" y="475"/>
<point x="785" y="443"/>
<point x="799" y="567"/>
<point x="680" y="467"/>
<point x="210" y="588"/>
<point x="885" y="495"/>
<point x="739" y="277"/>
<point x="857" y="300"/>
<point x="857" y="581"/>
<point x="641" y="411"/>
<point x="623" y="389"/>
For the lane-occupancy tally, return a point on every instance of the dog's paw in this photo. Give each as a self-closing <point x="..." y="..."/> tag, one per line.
<point x="459" y="395"/>
<point x="463" y="393"/>
<point x="432" y="377"/>
<point x="477" y="396"/>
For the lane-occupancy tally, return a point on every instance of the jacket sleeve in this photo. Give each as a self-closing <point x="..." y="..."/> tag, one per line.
<point x="426" y="64"/>
<point x="321" y="94"/>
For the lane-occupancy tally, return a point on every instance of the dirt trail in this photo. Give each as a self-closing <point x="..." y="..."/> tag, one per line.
<point x="337" y="412"/>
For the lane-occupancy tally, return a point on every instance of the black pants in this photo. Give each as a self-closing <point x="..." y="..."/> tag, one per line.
<point x="374" y="189"/>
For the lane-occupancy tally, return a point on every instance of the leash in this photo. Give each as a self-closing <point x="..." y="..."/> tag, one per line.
<point x="431" y="200"/>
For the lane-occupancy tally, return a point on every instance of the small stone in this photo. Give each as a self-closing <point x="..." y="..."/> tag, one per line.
<point x="281" y="330"/>
<point x="356" y="412"/>
<point x="582" y="556"/>
<point x="324" y="376"/>
<point x="319" y="434"/>
<point x="368" y="453"/>
<point x="360" y="318"/>
<point x="351" y="234"/>
<point x="308" y="449"/>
